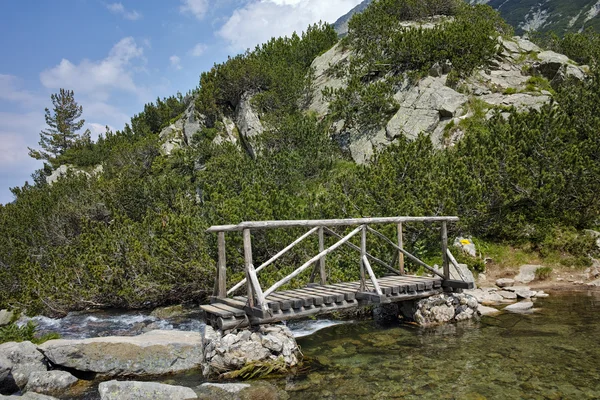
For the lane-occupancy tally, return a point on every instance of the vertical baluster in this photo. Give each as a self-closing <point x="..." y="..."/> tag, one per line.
<point x="401" y="245"/>
<point x="445" y="260"/>
<point x="222" y="267"/>
<point x="248" y="262"/>
<point x="363" y="253"/>
<point x="322" y="259"/>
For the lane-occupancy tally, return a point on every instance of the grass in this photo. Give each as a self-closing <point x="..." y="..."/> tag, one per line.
<point x="14" y="333"/>
<point x="541" y="274"/>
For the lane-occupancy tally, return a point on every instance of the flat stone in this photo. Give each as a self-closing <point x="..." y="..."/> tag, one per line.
<point x="595" y="283"/>
<point x="50" y="382"/>
<point x="153" y="353"/>
<point x="115" y="390"/>
<point x="505" y="282"/>
<point x="524" y="294"/>
<point x="507" y="295"/>
<point x="521" y="306"/>
<point x="483" y="310"/>
<point x="515" y="288"/>
<point x="527" y="273"/>
<point x="541" y="294"/>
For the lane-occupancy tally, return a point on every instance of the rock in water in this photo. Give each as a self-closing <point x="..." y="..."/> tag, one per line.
<point x="440" y="309"/>
<point x="50" y="382"/>
<point x="153" y="353"/>
<point x="483" y="310"/>
<point x="17" y="362"/>
<point x="115" y="390"/>
<point x="522" y="306"/>
<point x="29" y="396"/>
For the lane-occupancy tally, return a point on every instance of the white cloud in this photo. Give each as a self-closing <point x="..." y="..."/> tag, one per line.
<point x="119" y="9"/>
<point x="260" y="20"/>
<point x="196" y="7"/>
<point x="198" y="50"/>
<point x="175" y="62"/>
<point x="17" y="132"/>
<point x="97" y="78"/>
<point x="10" y="91"/>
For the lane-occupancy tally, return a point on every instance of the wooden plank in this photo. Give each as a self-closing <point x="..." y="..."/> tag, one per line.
<point x="231" y="302"/>
<point x="317" y="300"/>
<point x="297" y="299"/>
<point x="325" y="291"/>
<point x="274" y="258"/>
<point x="217" y="311"/>
<point x="307" y="264"/>
<point x="222" y="266"/>
<point x="328" y="297"/>
<point x="371" y="274"/>
<point x="248" y="262"/>
<point x="260" y="298"/>
<point x="237" y="312"/>
<point x="449" y="283"/>
<point x="348" y="294"/>
<point x="324" y="222"/>
<point x="295" y="302"/>
<point x="422" y="284"/>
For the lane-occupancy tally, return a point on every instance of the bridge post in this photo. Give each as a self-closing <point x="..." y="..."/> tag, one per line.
<point x="322" y="259"/>
<point x="221" y="267"/>
<point x="445" y="260"/>
<point x="363" y="254"/>
<point x="401" y="246"/>
<point x="248" y="263"/>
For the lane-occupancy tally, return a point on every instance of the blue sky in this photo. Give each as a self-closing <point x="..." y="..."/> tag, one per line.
<point x="117" y="56"/>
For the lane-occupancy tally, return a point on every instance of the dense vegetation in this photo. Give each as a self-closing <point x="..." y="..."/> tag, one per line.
<point x="134" y="236"/>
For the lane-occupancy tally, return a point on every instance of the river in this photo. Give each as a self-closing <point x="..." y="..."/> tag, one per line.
<point x="552" y="353"/>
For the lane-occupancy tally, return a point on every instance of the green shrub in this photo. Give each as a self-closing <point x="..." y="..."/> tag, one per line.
<point x="541" y="274"/>
<point x="13" y="333"/>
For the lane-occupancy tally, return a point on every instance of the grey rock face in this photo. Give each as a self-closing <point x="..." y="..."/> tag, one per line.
<point x="153" y="353"/>
<point x="172" y="138"/>
<point x="50" y="382"/>
<point x="61" y="171"/>
<point x="233" y="351"/>
<point x="527" y="273"/>
<point x="115" y="390"/>
<point x="5" y="317"/>
<point x="17" y="362"/>
<point x="192" y="122"/>
<point x="248" y="122"/>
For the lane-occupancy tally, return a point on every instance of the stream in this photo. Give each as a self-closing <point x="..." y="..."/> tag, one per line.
<point x="552" y="353"/>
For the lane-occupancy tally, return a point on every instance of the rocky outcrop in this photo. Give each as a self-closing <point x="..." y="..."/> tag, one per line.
<point x="17" y="362"/>
<point x="115" y="390"/>
<point x="234" y="351"/>
<point x="527" y="273"/>
<point x="5" y="317"/>
<point x="248" y="123"/>
<point x="440" y="309"/>
<point x="50" y="382"/>
<point x="325" y="78"/>
<point x="182" y="131"/>
<point x="64" y="170"/>
<point x="153" y="353"/>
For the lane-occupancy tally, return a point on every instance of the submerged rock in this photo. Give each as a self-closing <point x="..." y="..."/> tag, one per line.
<point x="153" y="353"/>
<point x="237" y="391"/>
<point x="522" y="306"/>
<point x="440" y="309"/>
<point x="234" y="351"/>
<point x="17" y="362"/>
<point x="115" y="390"/>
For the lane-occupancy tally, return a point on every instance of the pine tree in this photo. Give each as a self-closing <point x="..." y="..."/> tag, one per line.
<point x="63" y="126"/>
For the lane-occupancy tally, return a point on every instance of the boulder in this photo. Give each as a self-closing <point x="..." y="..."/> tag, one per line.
<point x="233" y="351"/>
<point x="550" y="63"/>
<point x="520" y="306"/>
<point x="172" y="138"/>
<point x="524" y="293"/>
<point x="50" y="382"/>
<point x="29" y="396"/>
<point x="527" y="273"/>
<point x="505" y="282"/>
<point x="440" y="309"/>
<point x="115" y="390"/>
<point x="5" y="317"/>
<point x="487" y="311"/>
<point x="17" y="362"/>
<point x="485" y="296"/>
<point x="462" y="273"/>
<point x="466" y="245"/>
<point x="153" y="353"/>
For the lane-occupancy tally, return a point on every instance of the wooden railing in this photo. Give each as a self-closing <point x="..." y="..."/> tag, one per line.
<point x="256" y="294"/>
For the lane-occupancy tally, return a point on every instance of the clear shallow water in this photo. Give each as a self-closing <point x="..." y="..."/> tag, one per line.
<point x="551" y="354"/>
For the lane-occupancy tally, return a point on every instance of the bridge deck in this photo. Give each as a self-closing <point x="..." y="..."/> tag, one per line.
<point x="230" y="313"/>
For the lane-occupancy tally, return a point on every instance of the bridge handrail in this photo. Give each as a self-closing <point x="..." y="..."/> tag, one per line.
<point x="324" y="222"/>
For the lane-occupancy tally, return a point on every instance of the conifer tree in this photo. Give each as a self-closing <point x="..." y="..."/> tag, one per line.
<point x="63" y="125"/>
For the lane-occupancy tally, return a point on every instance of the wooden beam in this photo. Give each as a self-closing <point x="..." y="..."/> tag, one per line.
<point x="273" y="259"/>
<point x="325" y="222"/>
<point x="222" y="266"/>
<point x="371" y="275"/>
<point x="363" y="253"/>
<point x="248" y="263"/>
<point x="400" y="245"/>
<point x="260" y="298"/>
<point x="307" y="264"/>
<point x="445" y="262"/>
<point x="322" y="259"/>
<point x="406" y="253"/>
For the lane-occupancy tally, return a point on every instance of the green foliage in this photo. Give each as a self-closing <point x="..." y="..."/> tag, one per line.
<point x="13" y="333"/>
<point x="475" y="264"/>
<point x="541" y="274"/>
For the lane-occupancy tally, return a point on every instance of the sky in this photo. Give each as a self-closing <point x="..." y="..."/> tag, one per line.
<point x="118" y="56"/>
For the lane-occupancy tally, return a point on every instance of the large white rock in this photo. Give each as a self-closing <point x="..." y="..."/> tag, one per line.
<point x="487" y="311"/>
<point x="115" y="390"/>
<point x="50" y="382"/>
<point x="522" y="306"/>
<point x="527" y="273"/>
<point x="17" y="362"/>
<point x="153" y="353"/>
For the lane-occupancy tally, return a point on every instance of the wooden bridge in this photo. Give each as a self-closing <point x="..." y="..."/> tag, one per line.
<point x="253" y="305"/>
